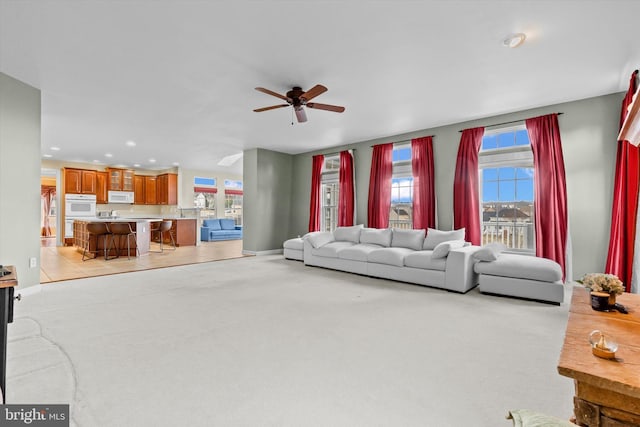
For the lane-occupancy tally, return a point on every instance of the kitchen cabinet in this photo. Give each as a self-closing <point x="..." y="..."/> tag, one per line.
<point x="120" y="179"/>
<point x="138" y="190"/>
<point x="167" y="189"/>
<point x="79" y="181"/>
<point x="150" y="190"/>
<point x="101" y="187"/>
<point x="184" y="232"/>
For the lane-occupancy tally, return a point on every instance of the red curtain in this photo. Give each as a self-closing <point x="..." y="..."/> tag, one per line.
<point x="424" y="198"/>
<point x="380" y="186"/>
<point x="550" y="192"/>
<point x="346" y="194"/>
<point x="47" y="194"/>
<point x="466" y="200"/>
<point x="316" y="196"/>
<point x="625" y="202"/>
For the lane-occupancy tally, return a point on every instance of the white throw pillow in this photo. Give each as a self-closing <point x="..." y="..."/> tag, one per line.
<point x="348" y="234"/>
<point x="490" y="252"/>
<point x="442" y="249"/>
<point x="320" y="238"/>
<point x="435" y="237"/>
<point x="376" y="236"/>
<point x="411" y="239"/>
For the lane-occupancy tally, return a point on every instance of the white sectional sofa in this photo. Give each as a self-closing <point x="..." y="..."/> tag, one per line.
<point x="441" y="259"/>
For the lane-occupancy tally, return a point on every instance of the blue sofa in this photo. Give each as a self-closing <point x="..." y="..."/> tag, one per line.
<point x="220" y="229"/>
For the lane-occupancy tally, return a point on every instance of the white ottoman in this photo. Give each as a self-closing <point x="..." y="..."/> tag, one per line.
<point x="522" y="276"/>
<point x="293" y="249"/>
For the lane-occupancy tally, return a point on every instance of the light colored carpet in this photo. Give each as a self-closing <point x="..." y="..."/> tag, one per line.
<point x="263" y="341"/>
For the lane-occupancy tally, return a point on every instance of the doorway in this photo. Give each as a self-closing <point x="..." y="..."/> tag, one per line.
<point x="49" y="203"/>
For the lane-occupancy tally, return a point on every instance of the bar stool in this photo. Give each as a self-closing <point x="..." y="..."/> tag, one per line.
<point x="122" y="229"/>
<point x="96" y="229"/>
<point x="162" y="228"/>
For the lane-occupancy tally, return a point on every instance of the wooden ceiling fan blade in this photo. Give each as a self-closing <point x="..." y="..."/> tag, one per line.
<point x="313" y="92"/>
<point x="334" y="108"/>
<point x="272" y="93"/>
<point x="273" y="107"/>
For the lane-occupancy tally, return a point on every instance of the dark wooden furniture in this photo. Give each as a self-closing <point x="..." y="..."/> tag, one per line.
<point x="7" y="286"/>
<point x="607" y="392"/>
<point x="101" y="187"/>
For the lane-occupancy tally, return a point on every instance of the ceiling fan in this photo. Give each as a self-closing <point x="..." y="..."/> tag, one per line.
<point x="298" y="98"/>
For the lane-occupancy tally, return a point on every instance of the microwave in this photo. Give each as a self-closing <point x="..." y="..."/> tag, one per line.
<point x="120" y="197"/>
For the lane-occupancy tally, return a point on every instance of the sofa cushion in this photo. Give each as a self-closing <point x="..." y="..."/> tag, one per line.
<point x="296" y="243"/>
<point x="389" y="256"/>
<point x="490" y="252"/>
<point x="348" y="234"/>
<point x="330" y="250"/>
<point x="425" y="260"/>
<point x="434" y="237"/>
<point x="357" y="252"/>
<point x="412" y="239"/>
<point x="319" y="238"/>
<point x="213" y="224"/>
<point x="227" y="224"/>
<point x="376" y="236"/>
<point x="521" y="267"/>
<point x="442" y="249"/>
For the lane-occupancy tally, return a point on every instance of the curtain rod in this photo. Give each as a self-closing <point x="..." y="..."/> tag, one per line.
<point x="406" y="140"/>
<point x="337" y="153"/>
<point x="504" y="123"/>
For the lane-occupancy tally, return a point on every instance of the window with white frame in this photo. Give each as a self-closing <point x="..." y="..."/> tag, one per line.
<point x="204" y="196"/>
<point x="506" y="188"/>
<point x="233" y="207"/>
<point x="401" y="211"/>
<point x="329" y="191"/>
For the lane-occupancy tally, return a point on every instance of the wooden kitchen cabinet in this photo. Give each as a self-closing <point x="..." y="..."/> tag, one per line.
<point x="138" y="190"/>
<point x="184" y="231"/>
<point x="120" y="179"/>
<point x="150" y="190"/>
<point x="167" y="189"/>
<point x="101" y="187"/>
<point x="79" y="181"/>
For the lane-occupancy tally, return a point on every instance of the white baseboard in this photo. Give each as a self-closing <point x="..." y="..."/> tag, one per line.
<point x="259" y="253"/>
<point x="31" y="290"/>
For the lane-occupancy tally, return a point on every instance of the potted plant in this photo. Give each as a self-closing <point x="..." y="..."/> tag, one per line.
<point x="606" y="283"/>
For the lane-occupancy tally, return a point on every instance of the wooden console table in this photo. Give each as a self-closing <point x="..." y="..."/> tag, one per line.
<point x="7" y="284"/>
<point x="607" y="392"/>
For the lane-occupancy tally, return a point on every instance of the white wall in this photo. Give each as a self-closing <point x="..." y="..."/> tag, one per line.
<point x="20" y="178"/>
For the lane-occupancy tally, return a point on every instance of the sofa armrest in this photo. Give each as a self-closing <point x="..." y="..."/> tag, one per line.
<point x="459" y="273"/>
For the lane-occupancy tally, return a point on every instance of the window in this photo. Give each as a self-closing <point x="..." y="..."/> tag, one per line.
<point x="233" y="206"/>
<point x="506" y="176"/>
<point x="401" y="211"/>
<point x="204" y="196"/>
<point x="330" y="193"/>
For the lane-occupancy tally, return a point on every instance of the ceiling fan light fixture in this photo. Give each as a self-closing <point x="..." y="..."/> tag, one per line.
<point x="300" y="114"/>
<point x="514" y="40"/>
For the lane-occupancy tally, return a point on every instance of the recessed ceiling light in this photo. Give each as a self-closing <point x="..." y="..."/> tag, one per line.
<point x="47" y="155"/>
<point x="96" y="161"/>
<point x="152" y="160"/>
<point x="136" y="165"/>
<point x="108" y="155"/>
<point x="176" y="164"/>
<point x="55" y="148"/>
<point x="130" y="143"/>
<point x="514" y="40"/>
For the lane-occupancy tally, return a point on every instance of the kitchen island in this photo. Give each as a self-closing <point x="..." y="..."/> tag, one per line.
<point x="184" y="232"/>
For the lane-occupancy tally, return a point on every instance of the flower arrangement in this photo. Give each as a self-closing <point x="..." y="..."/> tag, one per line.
<point x="601" y="282"/>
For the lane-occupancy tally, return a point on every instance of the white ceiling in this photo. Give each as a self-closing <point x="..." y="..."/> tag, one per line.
<point x="178" y="77"/>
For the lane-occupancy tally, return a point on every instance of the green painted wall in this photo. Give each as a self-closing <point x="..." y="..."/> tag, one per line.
<point x="20" y="178"/>
<point x="588" y="129"/>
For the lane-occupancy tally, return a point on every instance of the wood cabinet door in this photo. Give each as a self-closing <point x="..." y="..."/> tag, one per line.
<point x="101" y="187"/>
<point x="128" y="183"/>
<point x="150" y="190"/>
<point x="115" y="179"/>
<point x="88" y="182"/>
<point x="139" y="190"/>
<point x="161" y="189"/>
<point x="73" y="181"/>
<point x="172" y="189"/>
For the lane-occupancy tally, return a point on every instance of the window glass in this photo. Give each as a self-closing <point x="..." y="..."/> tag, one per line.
<point x="233" y="207"/>
<point x="330" y="193"/>
<point x="402" y="153"/>
<point x="506" y="175"/>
